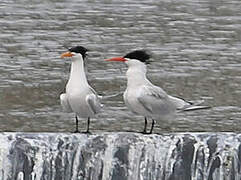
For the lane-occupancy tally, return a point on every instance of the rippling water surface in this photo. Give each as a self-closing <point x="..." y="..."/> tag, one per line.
<point x="195" y="47"/>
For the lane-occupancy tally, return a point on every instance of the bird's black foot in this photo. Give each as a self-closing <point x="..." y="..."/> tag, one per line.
<point x="76" y="131"/>
<point x="144" y="132"/>
<point x="87" y="132"/>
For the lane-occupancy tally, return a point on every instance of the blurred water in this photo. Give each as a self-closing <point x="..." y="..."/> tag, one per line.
<point x="195" y="47"/>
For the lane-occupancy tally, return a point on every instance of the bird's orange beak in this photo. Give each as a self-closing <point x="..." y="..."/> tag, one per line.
<point x="116" y="59"/>
<point x="66" y="54"/>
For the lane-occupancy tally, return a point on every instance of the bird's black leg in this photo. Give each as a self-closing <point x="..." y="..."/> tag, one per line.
<point x="144" y="131"/>
<point x="152" y="125"/>
<point x="76" y="124"/>
<point x="88" y="125"/>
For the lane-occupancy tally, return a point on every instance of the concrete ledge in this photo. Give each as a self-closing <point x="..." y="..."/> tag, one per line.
<point x="120" y="156"/>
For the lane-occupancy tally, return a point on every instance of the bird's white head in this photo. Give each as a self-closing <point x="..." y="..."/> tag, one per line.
<point x="134" y="58"/>
<point x="76" y="53"/>
<point x="136" y="62"/>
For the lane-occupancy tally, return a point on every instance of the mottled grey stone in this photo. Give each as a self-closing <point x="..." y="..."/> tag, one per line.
<point x="120" y="156"/>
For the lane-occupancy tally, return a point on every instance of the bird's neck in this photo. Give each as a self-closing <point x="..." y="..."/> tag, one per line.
<point x="136" y="76"/>
<point x="77" y="73"/>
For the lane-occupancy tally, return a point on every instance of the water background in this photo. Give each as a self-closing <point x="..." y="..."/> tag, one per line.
<point x="195" y="47"/>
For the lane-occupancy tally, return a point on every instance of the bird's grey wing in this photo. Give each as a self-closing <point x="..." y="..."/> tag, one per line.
<point x="65" y="103"/>
<point x="183" y="105"/>
<point x="152" y="98"/>
<point x="93" y="103"/>
<point x="92" y="91"/>
<point x="103" y="97"/>
<point x="179" y="103"/>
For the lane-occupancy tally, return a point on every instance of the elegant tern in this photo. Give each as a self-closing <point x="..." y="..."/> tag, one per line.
<point x="146" y="99"/>
<point x="80" y="97"/>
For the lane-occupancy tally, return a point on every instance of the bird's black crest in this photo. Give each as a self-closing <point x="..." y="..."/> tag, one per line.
<point x="140" y="55"/>
<point x="79" y="49"/>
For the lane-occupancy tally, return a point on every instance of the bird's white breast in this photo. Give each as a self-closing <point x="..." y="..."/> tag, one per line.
<point x="76" y="94"/>
<point x="131" y="101"/>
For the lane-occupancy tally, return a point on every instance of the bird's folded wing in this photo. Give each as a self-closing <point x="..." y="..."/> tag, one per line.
<point x="103" y="97"/>
<point x="150" y="96"/>
<point x="65" y="103"/>
<point x="93" y="103"/>
<point x="92" y="91"/>
<point x="179" y="103"/>
<point x="183" y="105"/>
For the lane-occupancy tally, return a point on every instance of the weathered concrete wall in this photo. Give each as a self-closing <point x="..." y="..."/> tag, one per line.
<point x="120" y="156"/>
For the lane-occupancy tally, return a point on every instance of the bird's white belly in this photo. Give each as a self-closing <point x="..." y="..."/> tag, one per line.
<point x="78" y="103"/>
